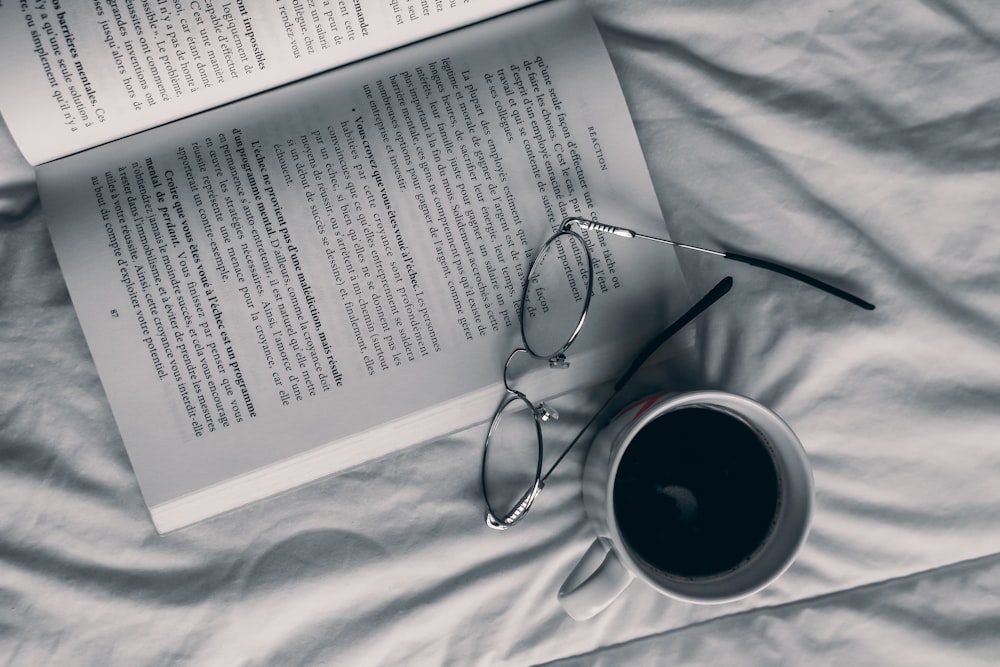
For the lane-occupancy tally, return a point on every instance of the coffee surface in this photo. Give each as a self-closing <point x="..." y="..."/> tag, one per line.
<point x="696" y="493"/>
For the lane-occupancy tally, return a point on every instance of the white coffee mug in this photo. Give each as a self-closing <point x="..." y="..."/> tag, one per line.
<point x="610" y="565"/>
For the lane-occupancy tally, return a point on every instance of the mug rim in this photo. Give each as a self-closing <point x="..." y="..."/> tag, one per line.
<point x="794" y="514"/>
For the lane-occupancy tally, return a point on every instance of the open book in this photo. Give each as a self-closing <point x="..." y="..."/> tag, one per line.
<point x="295" y="231"/>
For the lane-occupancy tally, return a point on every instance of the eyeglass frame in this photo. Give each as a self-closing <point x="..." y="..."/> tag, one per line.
<point x="557" y="359"/>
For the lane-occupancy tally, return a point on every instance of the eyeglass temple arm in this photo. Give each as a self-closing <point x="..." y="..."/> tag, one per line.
<point x="720" y="290"/>
<point x="768" y="265"/>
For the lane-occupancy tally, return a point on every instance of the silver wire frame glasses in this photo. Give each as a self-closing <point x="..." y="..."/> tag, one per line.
<point x="554" y="304"/>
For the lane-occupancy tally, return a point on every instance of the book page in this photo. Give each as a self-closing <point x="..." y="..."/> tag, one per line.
<point x="341" y="260"/>
<point x="90" y="71"/>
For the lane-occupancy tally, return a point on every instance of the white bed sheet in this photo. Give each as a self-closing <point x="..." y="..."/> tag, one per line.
<point x="855" y="139"/>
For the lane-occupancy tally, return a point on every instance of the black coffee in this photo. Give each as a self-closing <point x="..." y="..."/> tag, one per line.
<point x="696" y="493"/>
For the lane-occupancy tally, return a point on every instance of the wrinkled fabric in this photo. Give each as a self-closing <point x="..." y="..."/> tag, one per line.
<point x="856" y="141"/>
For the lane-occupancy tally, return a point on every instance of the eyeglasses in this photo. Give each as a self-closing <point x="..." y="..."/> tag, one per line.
<point x="554" y="304"/>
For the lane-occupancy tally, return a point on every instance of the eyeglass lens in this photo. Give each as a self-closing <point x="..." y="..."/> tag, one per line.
<point x="556" y="295"/>
<point x="513" y="457"/>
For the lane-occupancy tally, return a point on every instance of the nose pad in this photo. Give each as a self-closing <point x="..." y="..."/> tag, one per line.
<point x="559" y="362"/>
<point x="546" y="412"/>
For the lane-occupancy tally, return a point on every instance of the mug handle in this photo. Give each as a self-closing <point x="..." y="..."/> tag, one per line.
<point x="595" y="582"/>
